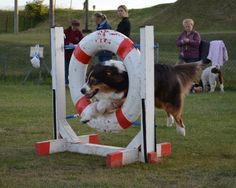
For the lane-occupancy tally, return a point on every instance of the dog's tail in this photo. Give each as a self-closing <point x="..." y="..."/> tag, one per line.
<point x="188" y="73"/>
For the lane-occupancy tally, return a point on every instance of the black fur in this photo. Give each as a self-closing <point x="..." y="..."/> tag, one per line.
<point x="173" y="82"/>
<point x="167" y="86"/>
<point x="110" y="76"/>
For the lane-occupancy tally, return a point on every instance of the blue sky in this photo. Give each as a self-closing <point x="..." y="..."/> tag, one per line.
<point x="100" y="4"/>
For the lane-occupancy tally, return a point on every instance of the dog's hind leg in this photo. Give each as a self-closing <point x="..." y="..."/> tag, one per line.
<point x="212" y="81"/>
<point x="170" y="120"/>
<point x="176" y="112"/>
<point x="221" y="82"/>
<point x="180" y="127"/>
<point x="176" y="115"/>
<point x="213" y="86"/>
<point x="204" y="85"/>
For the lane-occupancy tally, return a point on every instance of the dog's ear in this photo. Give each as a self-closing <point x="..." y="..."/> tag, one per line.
<point x="215" y="70"/>
<point x="89" y="69"/>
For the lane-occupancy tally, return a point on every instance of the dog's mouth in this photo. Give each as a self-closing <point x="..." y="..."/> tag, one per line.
<point x="92" y="94"/>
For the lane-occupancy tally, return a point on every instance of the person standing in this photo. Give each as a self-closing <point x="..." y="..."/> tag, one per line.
<point x="73" y="36"/>
<point x="124" y="26"/>
<point x="188" y="43"/>
<point x="102" y="23"/>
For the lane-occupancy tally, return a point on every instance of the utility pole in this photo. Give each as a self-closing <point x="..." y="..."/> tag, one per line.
<point x="16" y="17"/>
<point x="86" y="17"/>
<point x="70" y="4"/>
<point x="52" y="13"/>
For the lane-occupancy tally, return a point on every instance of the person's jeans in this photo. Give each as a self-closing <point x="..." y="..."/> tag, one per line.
<point x="104" y="56"/>
<point x="189" y="59"/>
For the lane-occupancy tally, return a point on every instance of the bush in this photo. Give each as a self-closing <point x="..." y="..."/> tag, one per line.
<point x="36" y="11"/>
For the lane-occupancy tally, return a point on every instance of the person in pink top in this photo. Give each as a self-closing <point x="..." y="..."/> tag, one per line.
<point x="188" y="43"/>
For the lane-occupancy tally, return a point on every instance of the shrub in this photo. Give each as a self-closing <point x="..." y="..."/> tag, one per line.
<point x="36" y="11"/>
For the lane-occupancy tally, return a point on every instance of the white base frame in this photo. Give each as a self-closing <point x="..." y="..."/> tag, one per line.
<point x="115" y="156"/>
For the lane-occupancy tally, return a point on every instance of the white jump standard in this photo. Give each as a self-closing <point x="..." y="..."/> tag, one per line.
<point x="141" y="78"/>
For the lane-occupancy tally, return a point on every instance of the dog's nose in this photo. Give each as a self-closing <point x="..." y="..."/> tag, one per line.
<point x="83" y="91"/>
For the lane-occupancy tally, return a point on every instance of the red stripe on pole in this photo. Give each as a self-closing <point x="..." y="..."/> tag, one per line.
<point x="82" y="104"/>
<point x="125" y="47"/>
<point x="165" y="149"/>
<point x="93" y="139"/>
<point x="152" y="157"/>
<point x="42" y="148"/>
<point x="122" y="120"/>
<point x="81" y="56"/>
<point x="114" y="160"/>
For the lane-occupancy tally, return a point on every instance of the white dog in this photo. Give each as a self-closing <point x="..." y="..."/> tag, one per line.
<point x="211" y="76"/>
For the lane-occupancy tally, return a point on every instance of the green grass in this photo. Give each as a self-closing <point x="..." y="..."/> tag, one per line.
<point x="204" y="158"/>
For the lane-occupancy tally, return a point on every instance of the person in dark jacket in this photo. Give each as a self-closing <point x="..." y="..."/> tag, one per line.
<point x="124" y="26"/>
<point x="102" y="23"/>
<point x="73" y="36"/>
<point x="188" y="43"/>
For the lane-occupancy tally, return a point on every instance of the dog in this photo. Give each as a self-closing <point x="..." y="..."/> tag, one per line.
<point x="108" y="83"/>
<point x="210" y="77"/>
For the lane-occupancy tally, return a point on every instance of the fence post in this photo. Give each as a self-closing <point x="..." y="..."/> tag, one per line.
<point x="6" y="24"/>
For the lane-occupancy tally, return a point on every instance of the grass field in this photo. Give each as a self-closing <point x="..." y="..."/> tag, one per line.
<point x="206" y="157"/>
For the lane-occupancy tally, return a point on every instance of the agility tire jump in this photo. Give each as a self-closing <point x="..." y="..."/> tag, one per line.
<point x="143" y="146"/>
<point x="124" y="48"/>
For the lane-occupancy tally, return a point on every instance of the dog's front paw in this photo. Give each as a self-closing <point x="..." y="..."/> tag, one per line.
<point x="102" y="106"/>
<point x="222" y="88"/>
<point x="88" y="113"/>
<point x="85" y="118"/>
<point x="84" y="121"/>
<point x="169" y="121"/>
<point x="180" y="130"/>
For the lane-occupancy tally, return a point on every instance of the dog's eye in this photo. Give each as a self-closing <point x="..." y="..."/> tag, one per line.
<point x="93" y="81"/>
<point x="108" y="73"/>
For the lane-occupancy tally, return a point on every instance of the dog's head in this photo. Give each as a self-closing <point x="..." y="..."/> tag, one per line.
<point x="109" y="76"/>
<point x="215" y="69"/>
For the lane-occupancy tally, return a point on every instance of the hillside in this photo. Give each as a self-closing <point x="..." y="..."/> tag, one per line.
<point x="209" y="15"/>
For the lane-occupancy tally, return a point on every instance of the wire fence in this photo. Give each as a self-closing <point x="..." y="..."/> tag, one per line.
<point x="17" y="67"/>
<point x="229" y="68"/>
<point x="7" y="21"/>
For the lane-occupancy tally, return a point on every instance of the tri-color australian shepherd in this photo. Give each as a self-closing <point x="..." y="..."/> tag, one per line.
<point x="107" y="83"/>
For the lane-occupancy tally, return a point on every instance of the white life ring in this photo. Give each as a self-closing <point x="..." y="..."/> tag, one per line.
<point x="124" y="48"/>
